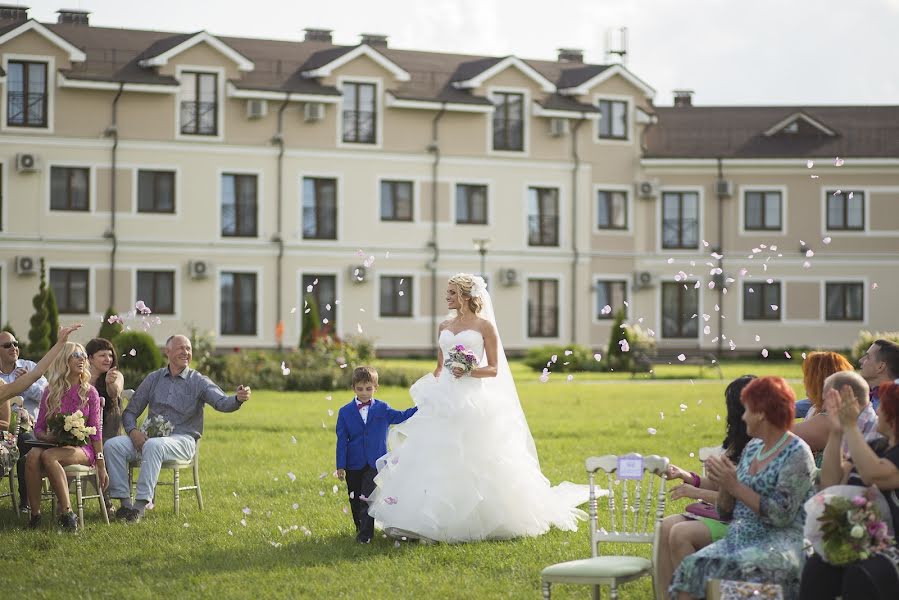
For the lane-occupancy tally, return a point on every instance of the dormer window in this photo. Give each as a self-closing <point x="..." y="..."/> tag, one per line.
<point x="199" y="103"/>
<point x="360" y="122"/>
<point x="791" y="128"/>
<point x="26" y="96"/>
<point x="508" y="121"/>
<point x="613" y="120"/>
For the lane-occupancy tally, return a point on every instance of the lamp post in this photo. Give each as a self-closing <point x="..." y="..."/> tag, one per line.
<point x="481" y="245"/>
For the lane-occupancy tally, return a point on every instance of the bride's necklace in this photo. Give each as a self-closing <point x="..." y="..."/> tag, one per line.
<point x="762" y="456"/>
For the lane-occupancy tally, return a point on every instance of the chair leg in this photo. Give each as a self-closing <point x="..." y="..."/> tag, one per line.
<point x="546" y="592"/>
<point x="12" y="491"/>
<point x="197" y="484"/>
<point x="177" y="486"/>
<point x="79" y="497"/>
<point x="102" y="498"/>
<point x="614" y="594"/>
<point x="131" y="484"/>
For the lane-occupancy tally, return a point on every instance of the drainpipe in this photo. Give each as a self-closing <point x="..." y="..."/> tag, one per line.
<point x="431" y="265"/>
<point x="113" y="132"/>
<point x="575" y="253"/>
<point x="720" y="261"/>
<point x="278" y="238"/>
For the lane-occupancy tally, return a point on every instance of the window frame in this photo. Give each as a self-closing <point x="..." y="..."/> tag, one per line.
<point x="541" y="332"/>
<point x="89" y="175"/>
<point x="156" y="172"/>
<point x="256" y="304"/>
<point x="767" y="314"/>
<point x="611" y="192"/>
<point x="375" y="113"/>
<point x="505" y="94"/>
<point x="680" y="192"/>
<point x="598" y="317"/>
<point x="392" y="184"/>
<point x="844" y="287"/>
<point x="613" y="99"/>
<point x="64" y="301"/>
<point x="152" y="301"/>
<point x="45" y="104"/>
<point x="197" y="131"/>
<point x="239" y="176"/>
<point x="542" y="243"/>
<point x="317" y="179"/>
<point x="764" y="191"/>
<point x="457" y="188"/>
<point x="682" y="326"/>
<point x="830" y="194"/>
<point x="408" y="289"/>
<point x="332" y="316"/>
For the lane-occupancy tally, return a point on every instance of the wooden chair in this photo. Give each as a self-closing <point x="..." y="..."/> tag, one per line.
<point x="75" y="474"/>
<point x="176" y="466"/>
<point x="635" y="519"/>
<point x="707" y="452"/>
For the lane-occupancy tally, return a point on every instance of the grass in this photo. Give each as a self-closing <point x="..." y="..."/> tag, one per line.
<point x="297" y="541"/>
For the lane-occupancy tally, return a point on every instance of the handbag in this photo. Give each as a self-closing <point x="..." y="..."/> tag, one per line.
<point x="704" y="509"/>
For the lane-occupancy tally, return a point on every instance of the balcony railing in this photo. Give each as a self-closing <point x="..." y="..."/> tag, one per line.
<point x="198" y="118"/>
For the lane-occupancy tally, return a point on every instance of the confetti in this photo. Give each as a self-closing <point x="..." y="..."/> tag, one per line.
<point x="390" y="500"/>
<point x="809" y="164"/>
<point x="682" y="357"/>
<point x="606" y="310"/>
<point x="838" y="162"/>
<point x="765" y="352"/>
<point x="683" y="407"/>
<point x="291" y="476"/>
<point x="598" y="357"/>
<point x="293" y="440"/>
<point x="787" y="354"/>
<point x="624" y="345"/>
<point x="569" y="378"/>
<point x="874" y="286"/>
<point x="670" y="261"/>
<point x="187" y="525"/>
<point x="132" y="352"/>
<point x="706" y="330"/>
<point x="651" y="431"/>
<point x="774" y="307"/>
<point x="851" y="194"/>
<point x="827" y="240"/>
<point x="243" y="522"/>
<point x="296" y="506"/>
<point x="246" y="510"/>
<point x="330" y="413"/>
<point x="692" y="455"/>
<point x="293" y="310"/>
<point x="806" y="265"/>
<point x="334" y="489"/>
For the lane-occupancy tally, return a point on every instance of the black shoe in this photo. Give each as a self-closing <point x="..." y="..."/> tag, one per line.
<point x="69" y="521"/>
<point x="122" y="513"/>
<point x="25" y="509"/>
<point x="363" y="539"/>
<point x="35" y="521"/>
<point x="133" y="516"/>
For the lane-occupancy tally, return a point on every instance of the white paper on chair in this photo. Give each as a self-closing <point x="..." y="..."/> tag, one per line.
<point x="630" y="467"/>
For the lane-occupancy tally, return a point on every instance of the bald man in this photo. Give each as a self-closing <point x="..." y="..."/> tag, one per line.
<point x="176" y="393"/>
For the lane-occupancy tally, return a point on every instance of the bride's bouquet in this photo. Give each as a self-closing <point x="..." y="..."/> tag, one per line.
<point x="460" y="357"/>
<point x="157" y="426"/>
<point x="70" y="429"/>
<point x="846" y="523"/>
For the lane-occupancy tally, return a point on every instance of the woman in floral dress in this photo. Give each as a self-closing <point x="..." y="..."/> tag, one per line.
<point x="765" y="493"/>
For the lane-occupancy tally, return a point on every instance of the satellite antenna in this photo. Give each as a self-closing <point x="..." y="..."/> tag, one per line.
<point x="616" y="45"/>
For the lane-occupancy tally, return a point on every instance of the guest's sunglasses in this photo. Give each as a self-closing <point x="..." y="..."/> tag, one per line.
<point x="9" y="345"/>
<point x="79" y="354"/>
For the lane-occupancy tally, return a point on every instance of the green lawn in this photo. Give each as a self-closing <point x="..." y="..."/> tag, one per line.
<point x="298" y="542"/>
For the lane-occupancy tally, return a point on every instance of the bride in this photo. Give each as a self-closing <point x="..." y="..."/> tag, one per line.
<point x="464" y="467"/>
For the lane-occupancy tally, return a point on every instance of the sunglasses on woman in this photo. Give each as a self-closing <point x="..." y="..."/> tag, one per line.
<point x="79" y="354"/>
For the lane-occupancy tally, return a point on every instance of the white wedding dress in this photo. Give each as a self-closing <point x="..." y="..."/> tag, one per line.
<point x="464" y="467"/>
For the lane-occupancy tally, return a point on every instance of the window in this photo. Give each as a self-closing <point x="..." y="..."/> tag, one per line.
<point x="846" y="210"/>
<point x="26" y="94"/>
<point x="508" y="121"/>
<point x="69" y="188"/>
<point x="359" y="113"/>
<point x="238" y="303"/>
<point x="323" y="291"/>
<point x="680" y="220"/>
<point x="157" y="290"/>
<point x="396" y="296"/>
<point x="471" y="204"/>
<point x="70" y="288"/>
<point x="613" y="120"/>
<point x="611" y="210"/>
<point x="762" y="211"/>
<point x="199" y="103"/>
<point x="612" y="294"/>
<point x="396" y="200"/>
<point x="680" y="306"/>
<point x="543" y="216"/>
<point x="761" y="301"/>
<point x="543" y="308"/>
<point x="239" y="205"/>
<point x="319" y="208"/>
<point x="844" y="301"/>
<point x="155" y="191"/>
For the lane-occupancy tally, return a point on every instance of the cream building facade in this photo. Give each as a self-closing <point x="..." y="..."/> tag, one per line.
<point x="218" y="179"/>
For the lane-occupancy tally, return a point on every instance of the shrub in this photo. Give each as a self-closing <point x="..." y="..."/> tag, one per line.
<point x="205" y="360"/>
<point x="866" y="338"/>
<point x="109" y="330"/>
<point x="52" y="314"/>
<point x="616" y="358"/>
<point x="39" y="334"/>
<point x="569" y="358"/>
<point x="311" y="322"/>
<point x="138" y="356"/>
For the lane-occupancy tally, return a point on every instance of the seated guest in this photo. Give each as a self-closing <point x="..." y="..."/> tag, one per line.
<point x="764" y="494"/>
<point x="12" y="367"/>
<point x="869" y="463"/>
<point x="177" y="394"/>
<point x="817" y="367"/>
<point x="682" y="535"/>
<point x="880" y="364"/>
<point x="23" y="382"/>
<point x="109" y="381"/>
<point x="68" y="391"/>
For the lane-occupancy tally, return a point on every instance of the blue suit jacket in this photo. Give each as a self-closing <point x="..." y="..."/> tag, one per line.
<point x="361" y="443"/>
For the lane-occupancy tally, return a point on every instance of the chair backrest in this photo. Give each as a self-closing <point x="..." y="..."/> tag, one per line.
<point x="707" y="452"/>
<point x="127" y="394"/>
<point x="15" y="403"/>
<point x="635" y="507"/>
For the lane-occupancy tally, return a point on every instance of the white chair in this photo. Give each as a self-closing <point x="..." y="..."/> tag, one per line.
<point x="706" y="452"/>
<point x="12" y="494"/>
<point x="75" y="473"/>
<point x="176" y="466"/>
<point x="635" y="518"/>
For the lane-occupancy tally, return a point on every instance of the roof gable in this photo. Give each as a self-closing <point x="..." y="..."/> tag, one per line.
<point x="792" y="124"/>
<point x="473" y="74"/>
<point x="161" y="52"/>
<point x="75" y="53"/>
<point x="323" y="64"/>
<point x="583" y="88"/>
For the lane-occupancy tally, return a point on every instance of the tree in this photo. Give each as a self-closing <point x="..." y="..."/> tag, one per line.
<point x="39" y="334"/>
<point x="52" y="314"/>
<point x="311" y="322"/>
<point x="109" y="330"/>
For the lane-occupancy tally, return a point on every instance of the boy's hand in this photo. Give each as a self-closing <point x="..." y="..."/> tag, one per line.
<point x="341" y="474"/>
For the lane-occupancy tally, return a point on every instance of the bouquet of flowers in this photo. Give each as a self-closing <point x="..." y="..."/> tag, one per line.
<point x="848" y="523"/>
<point x="461" y="358"/>
<point x="70" y="430"/>
<point x="157" y="426"/>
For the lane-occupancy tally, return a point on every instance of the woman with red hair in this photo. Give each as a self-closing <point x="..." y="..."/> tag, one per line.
<point x="870" y="463"/>
<point x="765" y="494"/>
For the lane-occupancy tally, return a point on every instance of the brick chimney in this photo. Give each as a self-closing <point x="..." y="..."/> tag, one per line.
<point x="73" y="16"/>
<point x="318" y="35"/>
<point x="571" y="55"/>
<point x="13" y="12"/>
<point x="375" y="40"/>
<point x="683" y="98"/>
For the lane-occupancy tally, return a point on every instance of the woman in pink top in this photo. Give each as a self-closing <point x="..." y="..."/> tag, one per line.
<point x="68" y="390"/>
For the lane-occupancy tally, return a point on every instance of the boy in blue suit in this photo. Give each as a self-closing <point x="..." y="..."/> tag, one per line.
<point x="361" y="440"/>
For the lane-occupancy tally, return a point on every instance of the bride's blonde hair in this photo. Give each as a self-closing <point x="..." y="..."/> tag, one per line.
<point x="466" y="283"/>
<point x="58" y="378"/>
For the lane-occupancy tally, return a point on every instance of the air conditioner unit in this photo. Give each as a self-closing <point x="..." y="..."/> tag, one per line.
<point x="509" y="277"/>
<point x="26" y="265"/>
<point x="313" y="111"/>
<point x="198" y="269"/>
<point x="642" y="279"/>
<point x="358" y="273"/>
<point x="648" y="189"/>
<point x="256" y="109"/>
<point x="558" y="127"/>
<point x="27" y="163"/>
<point x="724" y="188"/>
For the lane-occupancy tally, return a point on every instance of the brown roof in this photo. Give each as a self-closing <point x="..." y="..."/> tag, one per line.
<point x="739" y="132"/>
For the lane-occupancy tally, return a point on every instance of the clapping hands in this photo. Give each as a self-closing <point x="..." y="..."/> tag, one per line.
<point x="722" y="471"/>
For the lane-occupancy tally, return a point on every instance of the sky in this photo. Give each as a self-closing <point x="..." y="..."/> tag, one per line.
<point x="730" y="52"/>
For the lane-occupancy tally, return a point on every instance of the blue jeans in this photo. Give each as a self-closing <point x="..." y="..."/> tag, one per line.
<point x="120" y="451"/>
<point x="802" y="407"/>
